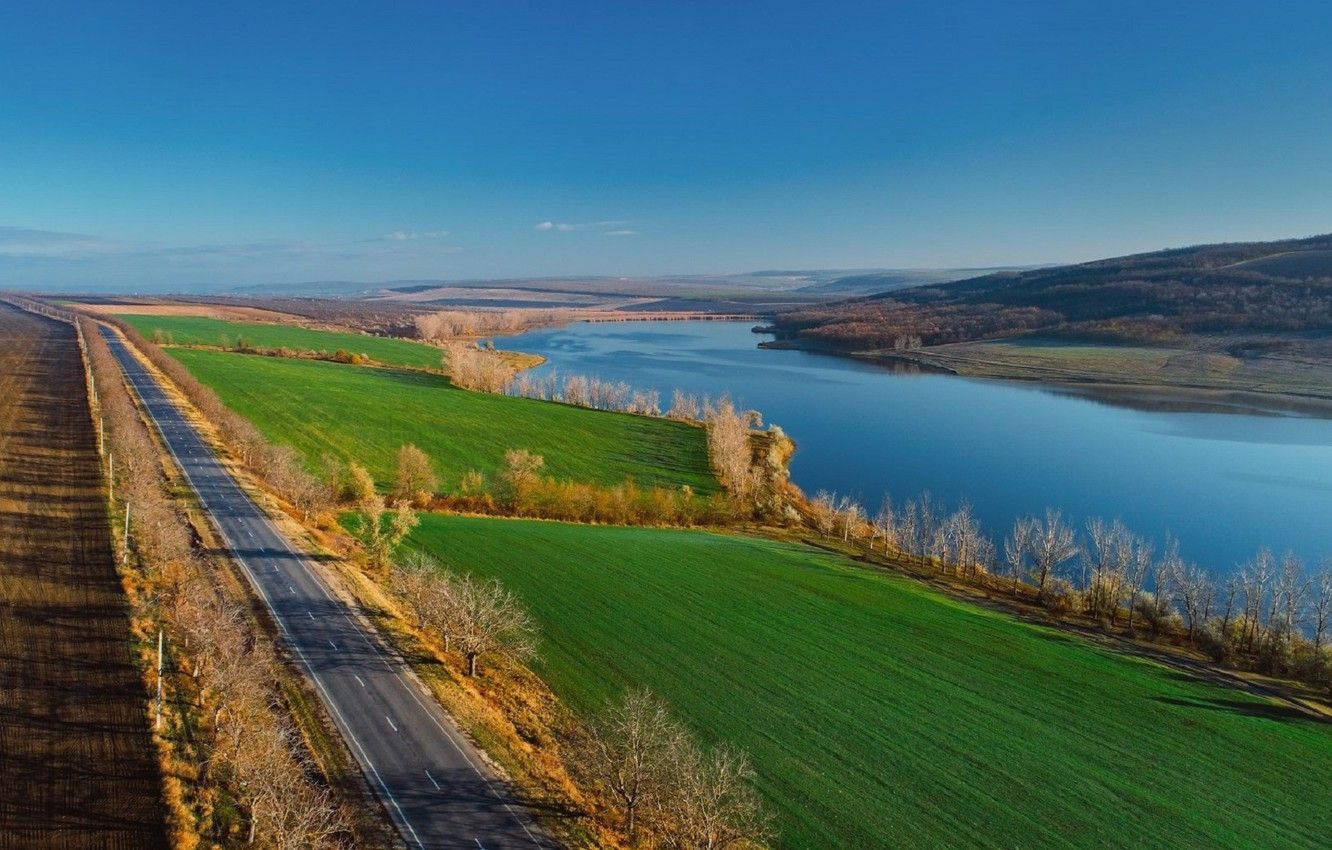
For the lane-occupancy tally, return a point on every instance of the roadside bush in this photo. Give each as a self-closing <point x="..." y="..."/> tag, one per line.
<point x="1060" y="597"/>
<point x="1276" y="655"/>
<point x="1215" y="643"/>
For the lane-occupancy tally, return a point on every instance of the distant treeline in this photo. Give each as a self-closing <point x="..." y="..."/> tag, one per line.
<point x="1283" y="287"/>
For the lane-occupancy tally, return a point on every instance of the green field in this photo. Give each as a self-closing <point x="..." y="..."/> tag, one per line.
<point x="366" y="414"/>
<point x="198" y="330"/>
<point x="880" y="713"/>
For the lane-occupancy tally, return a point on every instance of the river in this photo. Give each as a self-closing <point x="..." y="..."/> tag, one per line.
<point x="1223" y="483"/>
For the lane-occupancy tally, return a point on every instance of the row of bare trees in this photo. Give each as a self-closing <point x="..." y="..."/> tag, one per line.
<point x="666" y="789"/>
<point x="278" y="466"/>
<point x="587" y="391"/>
<point x="474" y="617"/>
<point x="445" y="325"/>
<point x="1270" y="613"/>
<point x="223" y="709"/>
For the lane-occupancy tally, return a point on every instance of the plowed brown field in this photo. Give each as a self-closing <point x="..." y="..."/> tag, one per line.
<point x="77" y="767"/>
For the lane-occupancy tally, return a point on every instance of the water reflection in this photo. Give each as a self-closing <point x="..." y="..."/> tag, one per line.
<point x="1223" y="474"/>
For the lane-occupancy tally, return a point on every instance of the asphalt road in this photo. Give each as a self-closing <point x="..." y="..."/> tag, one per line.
<point x="431" y="780"/>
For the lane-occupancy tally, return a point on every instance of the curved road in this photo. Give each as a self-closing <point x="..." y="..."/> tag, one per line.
<point x="432" y="782"/>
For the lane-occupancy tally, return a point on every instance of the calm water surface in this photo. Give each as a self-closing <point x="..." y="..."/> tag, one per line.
<point x="1223" y="483"/>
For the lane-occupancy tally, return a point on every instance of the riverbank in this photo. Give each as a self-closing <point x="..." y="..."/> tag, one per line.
<point x="1138" y="377"/>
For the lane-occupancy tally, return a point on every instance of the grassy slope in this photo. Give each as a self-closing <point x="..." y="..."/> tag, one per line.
<point x="199" y="330"/>
<point x="879" y="712"/>
<point x="1043" y="360"/>
<point x="366" y="414"/>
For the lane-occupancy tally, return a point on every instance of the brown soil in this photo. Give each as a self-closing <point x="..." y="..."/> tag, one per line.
<point x="229" y="312"/>
<point x="77" y="765"/>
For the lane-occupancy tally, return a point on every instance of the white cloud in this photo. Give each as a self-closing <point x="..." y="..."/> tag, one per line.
<point x="27" y="241"/>
<point x="412" y="235"/>
<point x="31" y="257"/>
<point x="607" y="227"/>
<point x="622" y="232"/>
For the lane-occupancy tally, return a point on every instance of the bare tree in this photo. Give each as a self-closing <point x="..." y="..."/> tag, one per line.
<point x="631" y="750"/>
<point x="1017" y="549"/>
<point x="885" y="525"/>
<point x="714" y="804"/>
<point x="1052" y="545"/>
<point x="1291" y="588"/>
<point x="485" y="619"/>
<point x="1156" y="606"/>
<point x="1196" y="590"/>
<point x="823" y="511"/>
<point x="1140" y="563"/>
<point x="1105" y="561"/>
<point x="1229" y="590"/>
<point x="412" y="582"/>
<point x="684" y="407"/>
<point x="852" y="516"/>
<point x="965" y="546"/>
<point x="1321" y="608"/>
<point x="1255" y="577"/>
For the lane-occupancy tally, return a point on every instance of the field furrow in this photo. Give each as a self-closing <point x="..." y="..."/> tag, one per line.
<point x="76" y="759"/>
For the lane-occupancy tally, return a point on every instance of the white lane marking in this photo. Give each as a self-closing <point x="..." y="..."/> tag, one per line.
<point x="334" y="645"/>
<point x="311" y="615"/>
<point x="432" y="780"/>
<point x="390" y="722"/>
<point x="359" y="679"/>
<point x="292" y="589"/>
<point x="478" y="843"/>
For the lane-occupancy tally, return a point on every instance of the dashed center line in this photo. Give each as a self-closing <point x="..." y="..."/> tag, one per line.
<point x="432" y="780"/>
<point x="332" y="644"/>
<point x="359" y="679"/>
<point x="390" y="722"/>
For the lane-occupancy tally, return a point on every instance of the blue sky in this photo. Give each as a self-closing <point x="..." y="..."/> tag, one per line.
<point x="181" y="144"/>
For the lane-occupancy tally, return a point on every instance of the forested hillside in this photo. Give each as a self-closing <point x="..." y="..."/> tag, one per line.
<point x="1253" y="287"/>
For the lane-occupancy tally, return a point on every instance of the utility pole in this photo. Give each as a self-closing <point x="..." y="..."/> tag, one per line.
<point x="158" y="723"/>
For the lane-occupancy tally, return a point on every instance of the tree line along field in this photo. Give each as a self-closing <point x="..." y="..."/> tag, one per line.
<point x="77" y="765"/>
<point x="200" y="330"/>
<point x="366" y="414"/>
<point x="880" y="712"/>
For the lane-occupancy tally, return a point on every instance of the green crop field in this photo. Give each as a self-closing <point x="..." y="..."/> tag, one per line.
<point x="879" y="713"/>
<point x="365" y="414"/>
<point x="198" y="330"/>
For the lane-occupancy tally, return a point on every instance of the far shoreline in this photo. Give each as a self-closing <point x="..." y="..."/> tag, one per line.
<point x="1137" y="395"/>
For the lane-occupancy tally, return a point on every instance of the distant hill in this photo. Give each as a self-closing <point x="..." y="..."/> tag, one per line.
<point x="888" y="280"/>
<point x="1247" y="287"/>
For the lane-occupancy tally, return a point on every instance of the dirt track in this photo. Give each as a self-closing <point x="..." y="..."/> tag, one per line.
<point x="76" y="762"/>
